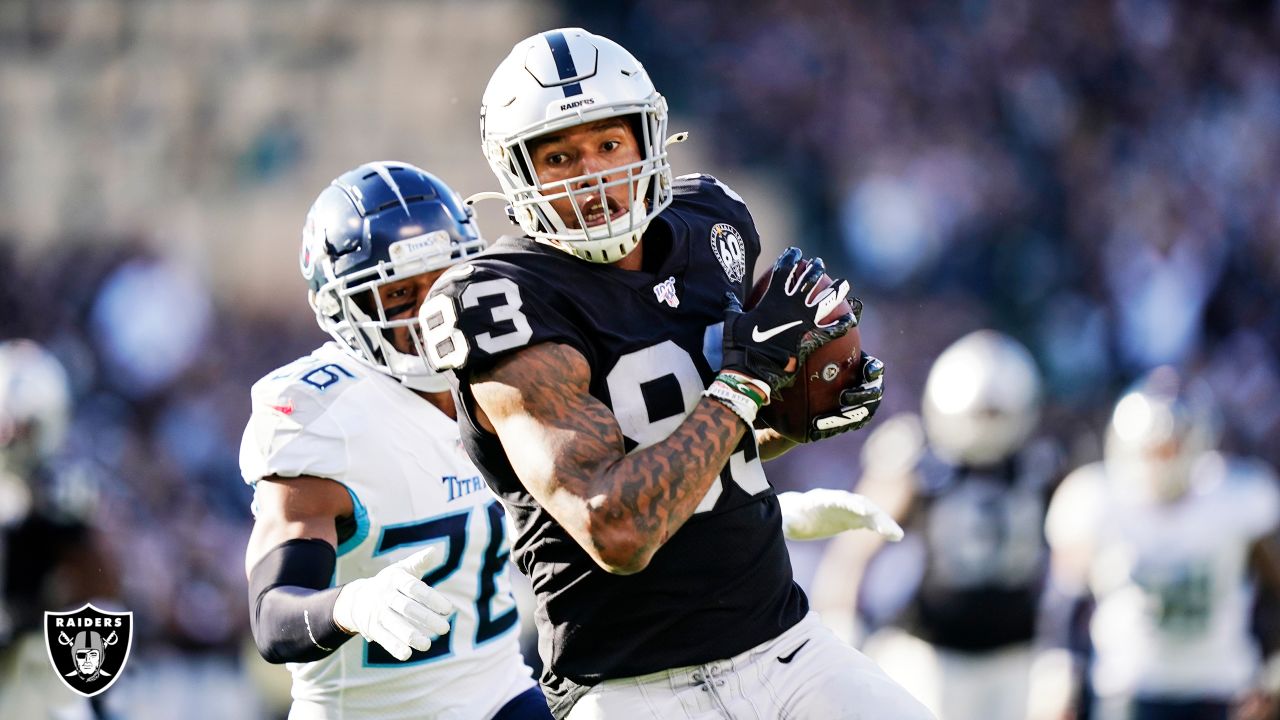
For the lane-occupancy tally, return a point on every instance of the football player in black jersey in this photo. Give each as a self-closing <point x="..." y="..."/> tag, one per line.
<point x="608" y="380"/>
<point x="972" y="487"/>
<point x="52" y="555"/>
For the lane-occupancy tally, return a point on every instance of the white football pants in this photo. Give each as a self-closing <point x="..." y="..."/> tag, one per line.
<point x="957" y="686"/>
<point x="803" y="674"/>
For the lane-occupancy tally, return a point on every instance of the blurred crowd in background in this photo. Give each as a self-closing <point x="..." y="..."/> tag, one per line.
<point x="1097" y="179"/>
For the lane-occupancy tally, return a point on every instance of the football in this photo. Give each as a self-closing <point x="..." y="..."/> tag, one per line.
<point x="828" y="370"/>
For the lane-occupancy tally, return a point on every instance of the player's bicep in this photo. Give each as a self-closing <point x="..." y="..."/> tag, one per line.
<point x="558" y="438"/>
<point x="298" y="507"/>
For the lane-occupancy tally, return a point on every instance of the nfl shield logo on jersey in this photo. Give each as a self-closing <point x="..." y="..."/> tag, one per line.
<point x="88" y="647"/>
<point x="726" y="243"/>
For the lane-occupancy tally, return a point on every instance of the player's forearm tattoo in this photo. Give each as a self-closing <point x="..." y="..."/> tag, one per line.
<point x="648" y="494"/>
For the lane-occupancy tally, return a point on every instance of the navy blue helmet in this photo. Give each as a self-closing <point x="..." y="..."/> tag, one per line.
<point x="381" y="223"/>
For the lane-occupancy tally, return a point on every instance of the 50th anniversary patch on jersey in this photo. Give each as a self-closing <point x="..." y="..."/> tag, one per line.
<point x="88" y="647"/>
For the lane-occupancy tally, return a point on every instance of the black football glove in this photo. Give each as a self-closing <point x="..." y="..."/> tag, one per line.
<point x="857" y="404"/>
<point x="785" y="323"/>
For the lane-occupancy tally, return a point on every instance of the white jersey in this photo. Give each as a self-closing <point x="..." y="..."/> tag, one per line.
<point x="331" y="416"/>
<point x="1171" y="581"/>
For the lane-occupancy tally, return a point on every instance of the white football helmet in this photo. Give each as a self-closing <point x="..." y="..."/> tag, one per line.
<point x="35" y="404"/>
<point x="1158" y="431"/>
<point x="556" y="80"/>
<point x="982" y="399"/>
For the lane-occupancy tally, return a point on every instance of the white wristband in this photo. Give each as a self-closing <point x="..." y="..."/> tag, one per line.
<point x="743" y="406"/>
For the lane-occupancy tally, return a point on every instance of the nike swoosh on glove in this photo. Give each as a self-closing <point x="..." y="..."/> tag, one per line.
<point x="857" y="404"/>
<point x="785" y="323"/>
<point x="395" y="608"/>
<point x="824" y="512"/>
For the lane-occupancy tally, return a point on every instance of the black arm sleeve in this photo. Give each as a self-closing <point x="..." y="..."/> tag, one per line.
<point x="291" y="603"/>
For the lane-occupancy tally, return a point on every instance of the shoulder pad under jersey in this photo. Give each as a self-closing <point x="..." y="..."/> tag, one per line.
<point x="291" y="429"/>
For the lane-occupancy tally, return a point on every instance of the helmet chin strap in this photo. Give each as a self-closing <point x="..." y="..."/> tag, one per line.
<point x="412" y="371"/>
<point x="424" y="383"/>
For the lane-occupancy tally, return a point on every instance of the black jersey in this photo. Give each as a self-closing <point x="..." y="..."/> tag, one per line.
<point x="722" y="583"/>
<point x="33" y="550"/>
<point x="986" y="555"/>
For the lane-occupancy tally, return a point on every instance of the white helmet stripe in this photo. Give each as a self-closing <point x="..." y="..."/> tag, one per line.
<point x="385" y="174"/>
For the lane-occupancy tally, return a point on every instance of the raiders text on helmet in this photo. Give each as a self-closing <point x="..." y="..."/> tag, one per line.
<point x="556" y="80"/>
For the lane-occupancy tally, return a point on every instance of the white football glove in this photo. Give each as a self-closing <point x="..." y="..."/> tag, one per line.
<point x="824" y="512"/>
<point x="395" y="608"/>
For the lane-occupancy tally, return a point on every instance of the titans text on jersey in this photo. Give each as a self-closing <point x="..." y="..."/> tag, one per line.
<point x="722" y="584"/>
<point x="412" y="485"/>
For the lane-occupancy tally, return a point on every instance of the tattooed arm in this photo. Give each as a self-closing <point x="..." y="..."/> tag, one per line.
<point x="567" y="449"/>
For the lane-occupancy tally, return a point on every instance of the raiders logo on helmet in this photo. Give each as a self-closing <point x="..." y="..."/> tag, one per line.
<point x="88" y="647"/>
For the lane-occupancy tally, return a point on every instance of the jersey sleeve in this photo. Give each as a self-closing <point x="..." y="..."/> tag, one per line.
<point x="727" y="203"/>
<point x="290" y="431"/>
<point x="480" y="312"/>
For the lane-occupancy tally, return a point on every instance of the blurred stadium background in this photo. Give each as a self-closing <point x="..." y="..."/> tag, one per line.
<point x="1098" y="179"/>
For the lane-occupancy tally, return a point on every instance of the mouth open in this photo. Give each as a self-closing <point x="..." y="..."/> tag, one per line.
<point x="594" y="212"/>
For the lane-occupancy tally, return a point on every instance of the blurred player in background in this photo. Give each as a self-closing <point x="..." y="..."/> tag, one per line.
<point x="354" y="456"/>
<point x="971" y="487"/>
<point x="50" y="555"/>
<point x="608" y="382"/>
<point x="1168" y="536"/>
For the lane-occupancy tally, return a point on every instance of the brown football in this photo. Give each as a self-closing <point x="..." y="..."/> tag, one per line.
<point x="828" y="370"/>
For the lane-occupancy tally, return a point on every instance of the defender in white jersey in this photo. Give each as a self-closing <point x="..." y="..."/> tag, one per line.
<point x="370" y="520"/>
<point x="1168" y="537"/>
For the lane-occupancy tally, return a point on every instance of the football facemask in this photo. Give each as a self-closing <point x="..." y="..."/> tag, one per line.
<point x="562" y="79"/>
<point x="380" y="224"/>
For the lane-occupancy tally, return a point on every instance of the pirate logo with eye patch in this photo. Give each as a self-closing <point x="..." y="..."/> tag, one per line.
<point x="88" y="647"/>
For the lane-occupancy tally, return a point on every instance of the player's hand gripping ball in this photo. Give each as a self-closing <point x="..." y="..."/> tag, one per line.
<point x="794" y="313"/>
<point x="834" y="391"/>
